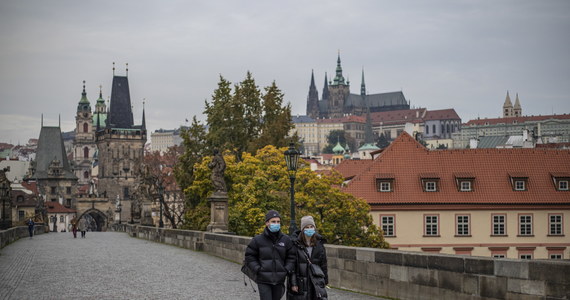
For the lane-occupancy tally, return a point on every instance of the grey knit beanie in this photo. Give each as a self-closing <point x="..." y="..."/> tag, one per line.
<point x="307" y="220"/>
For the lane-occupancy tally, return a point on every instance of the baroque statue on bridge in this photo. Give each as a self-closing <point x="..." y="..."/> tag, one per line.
<point x="218" y="166"/>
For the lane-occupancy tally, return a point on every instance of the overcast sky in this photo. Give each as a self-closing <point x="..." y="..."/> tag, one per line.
<point x="442" y="54"/>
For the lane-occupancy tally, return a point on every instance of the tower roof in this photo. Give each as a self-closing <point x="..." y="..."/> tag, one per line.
<point x="120" y="111"/>
<point x="51" y="149"/>
<point x="338" y="149"/>
<point x="508" y="102"/>
<point x="338" y="79"/>
<point x="517" y="102"/>
<point x="83" y="96"/>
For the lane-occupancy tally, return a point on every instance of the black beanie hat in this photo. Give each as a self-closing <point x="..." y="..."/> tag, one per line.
<point x="272" y="214"/>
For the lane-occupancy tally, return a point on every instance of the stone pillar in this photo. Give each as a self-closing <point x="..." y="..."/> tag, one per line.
<point x="146" y="214"/>
<point x="218" y="212"/>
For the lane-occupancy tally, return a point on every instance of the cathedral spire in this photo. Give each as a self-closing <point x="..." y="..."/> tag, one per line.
<point x="362" y="85"/>
<point x="143" y="126"/>
<point x="507" y="107"/>
<point x="84" y="95"/>
<point x="338" y="79"/>
<point x="312" y="80"/>
<point x="326" y="88"/>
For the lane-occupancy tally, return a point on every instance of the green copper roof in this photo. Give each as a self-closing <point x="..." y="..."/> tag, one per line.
<point x="84" y="96"/>
<point x="338" y="149"/>
<point x="102" y="119"/>
<point x="368" y="146"/>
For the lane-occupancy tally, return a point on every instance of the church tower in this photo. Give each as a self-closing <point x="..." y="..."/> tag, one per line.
<point x="517" y="109"/>
<point x="84" y="147"/>
<point x="313" y="99"/>
<point x="339" y="90"/>
<point x="120" y="146"/>
<point x="507" y="107"/>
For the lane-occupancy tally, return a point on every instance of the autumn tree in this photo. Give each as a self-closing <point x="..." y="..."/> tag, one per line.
<point x="261" y="182"/>
<point x="160" y="178"/>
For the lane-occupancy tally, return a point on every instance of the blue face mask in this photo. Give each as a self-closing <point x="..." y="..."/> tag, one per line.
<point x="274" y="227"/>
<point x="309" y="232"/>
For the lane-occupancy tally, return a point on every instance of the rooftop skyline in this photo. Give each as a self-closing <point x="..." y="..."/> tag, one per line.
<point x="442" y="54"/>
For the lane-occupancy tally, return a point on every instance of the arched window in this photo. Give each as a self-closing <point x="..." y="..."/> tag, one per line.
<point x="433" y="129"/>
<point x="85" y="127"/>
<point x="448" y="130"/>
<point x="427" y="129"/>
<point x="85" y="152"/>
<point x="86" y="174"/>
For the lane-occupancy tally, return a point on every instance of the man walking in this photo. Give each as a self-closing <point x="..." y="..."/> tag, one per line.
<point x="271" y="256"/>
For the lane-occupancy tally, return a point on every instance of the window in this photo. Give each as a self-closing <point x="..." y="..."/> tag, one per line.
<point x="86" y="174"/>
<point x="427" y="129"/>
<point x="555" y="224"/>
<point x="499" y="252"/>
<point x="563" y="185"/>
<point x="85" y="127"/>
<point x="20" y="198"/>
<point x="387" y="223"/>
<point x="499" y="256"/>
<point x="525" y="256"/>
<point x="385" y="182"/>
<point x="21" y="215"/>
<point x="68" y="190"/>
<point x="385" y="186"/>
<point x="499" y="223"/>
<point x="465" y="186"/>
<point x="126" y="192"/>
<point x="68" y="202"/>
<point x="431" y="186"/>
<point x="519" y="185"/>
<point x="431" y="225"/>
<point x="462" y="225"/>
<point x="555" y="256"/>
<point x="86" y="152"/>
<point x="433" y="129"/>
<point x="525" y="225"/>
<point x="53" y="189"/>
<point x="556" y="252"/>
<point x="61" y="219"/>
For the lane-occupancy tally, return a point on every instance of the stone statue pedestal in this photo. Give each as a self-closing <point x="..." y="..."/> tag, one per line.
<point x="218" y="212"/>
<point x="146" y="214"/>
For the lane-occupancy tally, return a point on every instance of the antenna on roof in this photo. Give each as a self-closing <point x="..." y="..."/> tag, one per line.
<point x="113" y="68"/>
<point x="127" y="69"/>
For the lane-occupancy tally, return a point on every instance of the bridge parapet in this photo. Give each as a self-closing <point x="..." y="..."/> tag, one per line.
<point x="13" y="234"/>
<point x="399" y="274"/>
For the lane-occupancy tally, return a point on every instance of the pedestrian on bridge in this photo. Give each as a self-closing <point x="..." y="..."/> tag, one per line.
<point x="74" y="227"/>
<point x="310" y="277"/>
<point x="82" y="227"/>
<point x="31" y="227"/>
<point x="271" y="256"/>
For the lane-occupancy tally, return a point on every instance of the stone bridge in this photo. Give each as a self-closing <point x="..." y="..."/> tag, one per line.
<point x="112" y="265"/>
<point x="184" y="264"/>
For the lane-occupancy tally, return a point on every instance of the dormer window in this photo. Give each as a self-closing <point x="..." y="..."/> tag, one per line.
<point x="385" y="182"/>
<point x="430" y="182"/>
<point x="561" y="181"/>
<point x="519" y="181"/>
<point x="465" y="181"/>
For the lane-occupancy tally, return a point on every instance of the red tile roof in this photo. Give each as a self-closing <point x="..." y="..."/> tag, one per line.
<point x="397" y="116"/>
<point x="442" y="114"/>
<point x="55" y="207"/>
<point x="516" y="119"/>
<point x="347" y="119"/>
<point x="408" y="160"/>
<point x="349" y="168"/>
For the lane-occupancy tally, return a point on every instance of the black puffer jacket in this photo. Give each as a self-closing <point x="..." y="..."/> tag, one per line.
<point x="271" y="256"/>
<point x="300" y="275"/>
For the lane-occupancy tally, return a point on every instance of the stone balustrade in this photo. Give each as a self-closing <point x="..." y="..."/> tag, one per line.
<point x="13" y="234"/>
<point x="399" y="274"/>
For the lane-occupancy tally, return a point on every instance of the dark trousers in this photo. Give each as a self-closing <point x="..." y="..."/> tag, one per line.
<point x="82" y="234"/>
<point x="270" y="291"/>
<point x="31" y="230"/>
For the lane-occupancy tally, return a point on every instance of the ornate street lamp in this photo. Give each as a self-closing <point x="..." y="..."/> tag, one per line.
<point x="292" y="160"/>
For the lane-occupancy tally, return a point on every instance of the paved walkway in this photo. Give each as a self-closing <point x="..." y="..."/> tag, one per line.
<point x="112" y="265"/>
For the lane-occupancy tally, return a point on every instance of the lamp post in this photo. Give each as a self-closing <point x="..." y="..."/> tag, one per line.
<point x="161" y="199"/>
<point x="3" y="194"/>
<point x="292" y="160"/>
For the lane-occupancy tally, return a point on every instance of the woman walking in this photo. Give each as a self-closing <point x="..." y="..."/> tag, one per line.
<point x="310" y="275"/>
<point x="82" y="227"/>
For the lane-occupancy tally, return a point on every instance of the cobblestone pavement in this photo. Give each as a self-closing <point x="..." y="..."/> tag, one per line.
<point x="112" y="265"/>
